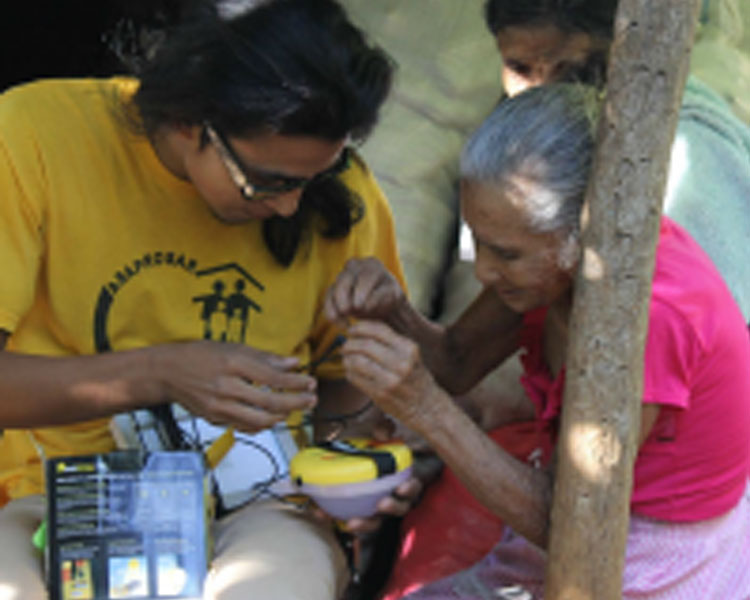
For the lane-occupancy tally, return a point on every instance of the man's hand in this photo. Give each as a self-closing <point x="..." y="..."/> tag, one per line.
<point x="232" y="384"/>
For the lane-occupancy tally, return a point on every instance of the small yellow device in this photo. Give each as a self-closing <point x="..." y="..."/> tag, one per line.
<point x="347" y="478"/>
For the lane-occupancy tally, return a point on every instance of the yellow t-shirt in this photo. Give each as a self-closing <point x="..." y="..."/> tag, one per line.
<point x="103" y="249"/>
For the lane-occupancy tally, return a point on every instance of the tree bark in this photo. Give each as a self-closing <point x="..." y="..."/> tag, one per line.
<point x="604" y="367"/>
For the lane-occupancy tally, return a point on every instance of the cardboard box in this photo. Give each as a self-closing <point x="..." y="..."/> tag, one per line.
<point x="127" y="525"/>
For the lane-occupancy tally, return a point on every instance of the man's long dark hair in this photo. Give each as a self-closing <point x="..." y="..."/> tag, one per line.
<point x="293" y="67"/>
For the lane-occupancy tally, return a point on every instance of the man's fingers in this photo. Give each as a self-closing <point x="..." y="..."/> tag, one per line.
<point x="265" y="375"/>
<point x="244" y="417"/>
<point x="275" y="361"/>
<point x="265" y="397"/>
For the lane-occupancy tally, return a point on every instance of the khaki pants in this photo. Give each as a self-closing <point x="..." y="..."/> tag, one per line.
<point x="265" y="550"/>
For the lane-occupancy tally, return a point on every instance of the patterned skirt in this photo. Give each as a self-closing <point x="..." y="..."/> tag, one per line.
<point x="663" y="561"/>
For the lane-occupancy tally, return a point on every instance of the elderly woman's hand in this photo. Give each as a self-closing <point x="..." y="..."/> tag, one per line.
<point x="388" y="368"/>
<point x="364" y="289"/>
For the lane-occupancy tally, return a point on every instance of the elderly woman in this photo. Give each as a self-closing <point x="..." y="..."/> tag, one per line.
<point x="524" y="173"/>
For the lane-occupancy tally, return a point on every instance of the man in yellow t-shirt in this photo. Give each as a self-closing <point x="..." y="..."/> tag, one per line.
<point x="171" y="238"/>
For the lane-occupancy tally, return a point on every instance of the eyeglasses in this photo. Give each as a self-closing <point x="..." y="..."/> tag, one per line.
<point x="241" y="174"/>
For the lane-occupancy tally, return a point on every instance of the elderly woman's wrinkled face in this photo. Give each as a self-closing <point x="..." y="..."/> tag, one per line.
<point x="526" y="268"/>
<point x="540" y="54"/>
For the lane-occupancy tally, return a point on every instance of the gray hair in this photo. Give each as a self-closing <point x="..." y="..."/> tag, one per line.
<point x="543" y="139"/>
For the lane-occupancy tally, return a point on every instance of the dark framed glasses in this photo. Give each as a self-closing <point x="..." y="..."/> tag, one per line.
<point x="248" y="181"/>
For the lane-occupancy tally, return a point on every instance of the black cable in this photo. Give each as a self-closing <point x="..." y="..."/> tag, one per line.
<point x="328" y="354"/>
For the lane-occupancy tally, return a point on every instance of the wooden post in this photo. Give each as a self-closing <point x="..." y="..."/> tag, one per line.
<point x="604" y="374"/>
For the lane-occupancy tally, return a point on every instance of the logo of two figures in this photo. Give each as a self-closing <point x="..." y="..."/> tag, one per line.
<point x="225" y="317"/>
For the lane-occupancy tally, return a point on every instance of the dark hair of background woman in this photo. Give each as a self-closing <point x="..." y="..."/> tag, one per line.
<point x="591" y="17"/>
<point x="595" y="17"/>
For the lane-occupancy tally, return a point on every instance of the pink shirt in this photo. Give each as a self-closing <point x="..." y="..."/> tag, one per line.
<point x="695" y="463"/>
